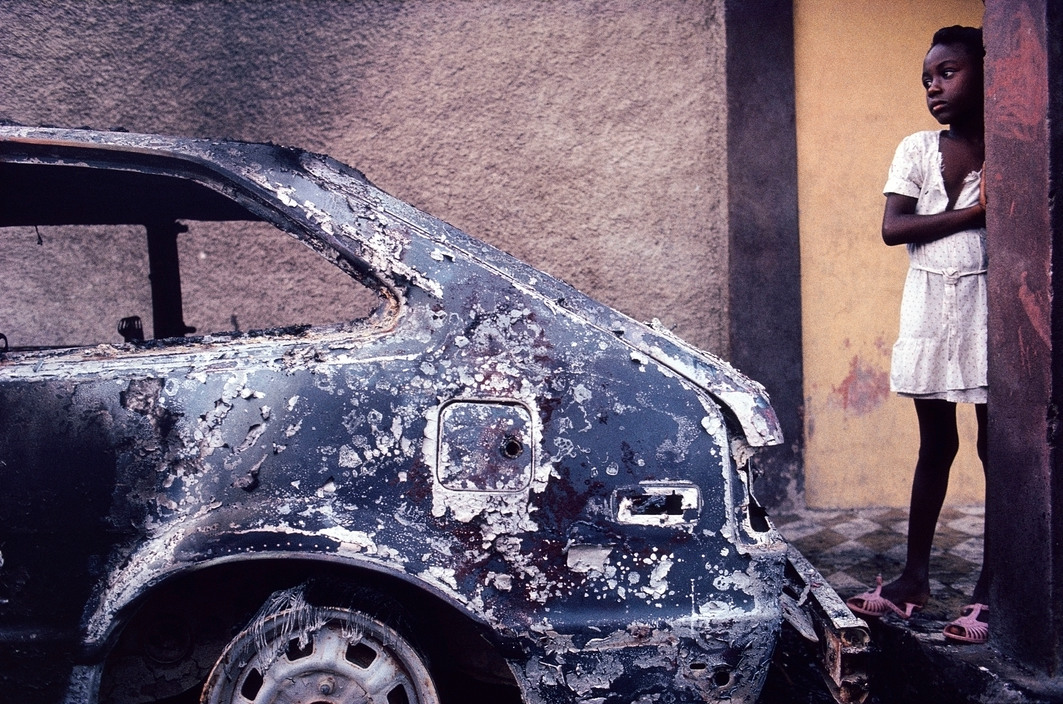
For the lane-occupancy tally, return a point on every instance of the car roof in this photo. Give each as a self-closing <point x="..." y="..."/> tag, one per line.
<point x="250" y="176"/>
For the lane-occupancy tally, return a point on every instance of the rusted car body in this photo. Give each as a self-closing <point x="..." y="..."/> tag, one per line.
<point x="490" y="486"/>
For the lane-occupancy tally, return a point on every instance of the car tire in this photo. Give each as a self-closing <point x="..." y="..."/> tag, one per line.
<point x="319" y="654"/>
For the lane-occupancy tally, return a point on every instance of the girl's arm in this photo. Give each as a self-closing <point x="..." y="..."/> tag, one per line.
<point x="901" y="225"/>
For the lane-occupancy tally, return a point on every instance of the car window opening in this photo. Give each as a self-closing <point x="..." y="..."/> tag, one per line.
<point x="119" y="257"/>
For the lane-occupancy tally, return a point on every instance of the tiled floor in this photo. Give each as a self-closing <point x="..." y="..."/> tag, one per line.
<point x="850" y="547"/>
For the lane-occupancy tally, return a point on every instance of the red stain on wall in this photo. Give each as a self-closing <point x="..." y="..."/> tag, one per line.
<point x="1037" y="308"/>
<point x="1020" y="103"/>
<point x="864" y="389"/>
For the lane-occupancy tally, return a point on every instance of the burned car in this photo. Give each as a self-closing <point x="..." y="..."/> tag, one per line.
<point x="459" y="480"/>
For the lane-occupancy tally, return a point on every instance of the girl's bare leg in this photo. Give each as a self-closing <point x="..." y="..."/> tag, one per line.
<point x="981" y="589"/>
<point x="938" y="444"/>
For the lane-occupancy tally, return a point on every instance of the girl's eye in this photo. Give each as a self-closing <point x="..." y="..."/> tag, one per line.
<point x="948" y="73"/>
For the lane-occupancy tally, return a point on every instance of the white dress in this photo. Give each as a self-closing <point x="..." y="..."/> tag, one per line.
<point x="941" y="350"/>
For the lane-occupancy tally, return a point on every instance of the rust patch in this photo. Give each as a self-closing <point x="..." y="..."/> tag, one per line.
<point x="1020" y="100"/>
<point x="1036" y="308"/>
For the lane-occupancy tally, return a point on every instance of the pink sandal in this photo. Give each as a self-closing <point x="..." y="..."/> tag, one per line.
<point x="967" y="628"/>
<point x="874" y="605"/>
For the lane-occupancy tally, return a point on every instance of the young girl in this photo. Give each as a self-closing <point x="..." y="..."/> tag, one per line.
<point x="935" y="205"/>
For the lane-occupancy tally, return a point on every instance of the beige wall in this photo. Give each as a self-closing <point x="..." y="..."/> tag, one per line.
<point x="858" y="95"/>
<point x="584" y="136"/>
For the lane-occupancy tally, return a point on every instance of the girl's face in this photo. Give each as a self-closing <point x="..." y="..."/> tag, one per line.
<point x="953" y="84"/>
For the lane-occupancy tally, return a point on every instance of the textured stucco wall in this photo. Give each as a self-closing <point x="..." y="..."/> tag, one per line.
<point x="587" y="138"/>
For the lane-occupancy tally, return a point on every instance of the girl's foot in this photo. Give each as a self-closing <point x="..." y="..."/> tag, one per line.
<point x="971" y="627"/>
<point x="912" y="593"/>
<point x="901" y="596"/>
<point x="870" y="604"/>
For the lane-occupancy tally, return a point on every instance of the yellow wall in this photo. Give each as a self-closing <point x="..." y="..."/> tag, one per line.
<point x="858" y="94"/>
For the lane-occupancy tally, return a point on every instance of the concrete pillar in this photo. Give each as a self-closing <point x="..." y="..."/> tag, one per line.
<point x="1024" y="161"/>
<point x="764" y="254"/>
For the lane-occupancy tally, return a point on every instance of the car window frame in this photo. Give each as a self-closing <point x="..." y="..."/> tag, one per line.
<point x="246" y="194"/>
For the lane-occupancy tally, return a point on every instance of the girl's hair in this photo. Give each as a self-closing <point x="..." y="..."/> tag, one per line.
<point x="970" y="38"/>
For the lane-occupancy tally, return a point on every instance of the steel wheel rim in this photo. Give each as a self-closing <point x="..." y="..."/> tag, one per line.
<point x="343" y="657"/>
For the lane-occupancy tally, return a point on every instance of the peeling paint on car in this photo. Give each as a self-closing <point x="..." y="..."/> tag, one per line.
<point x="572" y="483"/>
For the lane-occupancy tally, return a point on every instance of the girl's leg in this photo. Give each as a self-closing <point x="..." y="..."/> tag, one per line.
<point x="938" y="444"/>
<point x="981" y="589"/>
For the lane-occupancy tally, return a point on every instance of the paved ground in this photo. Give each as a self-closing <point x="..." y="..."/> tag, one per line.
<point x="850" y="547"/>
<point x="910" y="661"/>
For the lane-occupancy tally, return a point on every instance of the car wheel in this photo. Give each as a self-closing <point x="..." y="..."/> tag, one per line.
<point x="319" y="654"/>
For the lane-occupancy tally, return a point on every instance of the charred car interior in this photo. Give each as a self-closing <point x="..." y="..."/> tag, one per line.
<point x="268" y="434"/>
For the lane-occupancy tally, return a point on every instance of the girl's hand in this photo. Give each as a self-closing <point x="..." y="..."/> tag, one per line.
<point x="981" y="188"/>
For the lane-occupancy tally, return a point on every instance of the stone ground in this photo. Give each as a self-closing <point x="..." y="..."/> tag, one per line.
<point x="911" y="662"/>
<point x="851" y="547"/>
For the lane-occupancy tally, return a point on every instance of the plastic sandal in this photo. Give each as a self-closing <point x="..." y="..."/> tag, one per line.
<point x="874" y="605"/>
<point x="909" y="608"/>
<point x="967" y="628"/>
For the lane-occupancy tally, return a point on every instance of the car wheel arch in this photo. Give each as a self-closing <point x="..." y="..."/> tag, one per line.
<point x="214" y="601"/>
